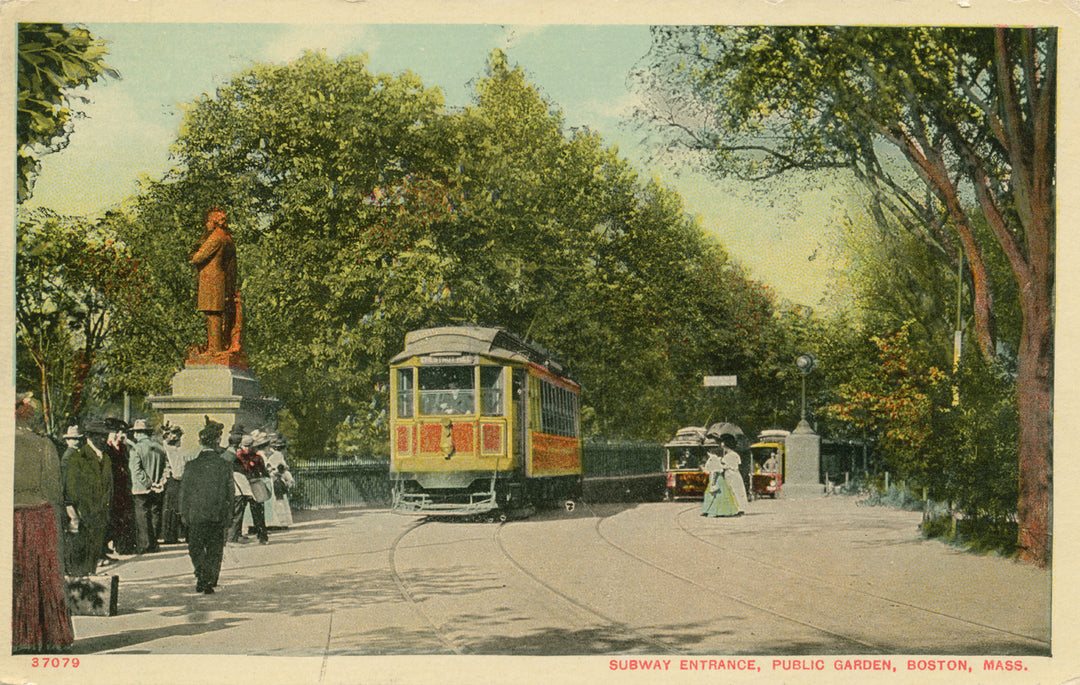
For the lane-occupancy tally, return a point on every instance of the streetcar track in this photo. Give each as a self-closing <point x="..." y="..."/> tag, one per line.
<point x="849" y="588"/>
<point x="736" y="599"/>
<point x="656" y="642"/>
<point x="234" y="567"/>
<point x="437" y="629"/>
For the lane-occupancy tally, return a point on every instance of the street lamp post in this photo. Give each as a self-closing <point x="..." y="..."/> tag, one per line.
<point x="805" y="363"/>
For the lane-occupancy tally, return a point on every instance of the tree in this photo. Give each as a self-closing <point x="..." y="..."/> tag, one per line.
<point x="606" y="269"/>
<point x="72" y="281"/>
<point x="890" y="278"/>
<point x="53" y="59"/>
<point x="769" y="100"/>
<point x="362" y="209"/>
<point x="898" y="402"/>
<point x="292" y="152"/>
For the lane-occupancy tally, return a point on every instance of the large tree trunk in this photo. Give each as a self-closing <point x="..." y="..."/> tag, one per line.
<point x="1035" y="388"/>
<point x="1035" y="378"/>
<point x="1030" y="142"/>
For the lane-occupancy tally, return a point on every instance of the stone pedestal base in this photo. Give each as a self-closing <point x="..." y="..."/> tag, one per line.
<point x="803" y="462"/>
<point x="803" y="491"/>
<point x="226" y="394"/>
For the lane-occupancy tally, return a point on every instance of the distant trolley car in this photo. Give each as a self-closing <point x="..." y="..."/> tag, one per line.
<point x="685" y="456"/>
<point x="482" y="423"/>
<point x="769" y="464"/>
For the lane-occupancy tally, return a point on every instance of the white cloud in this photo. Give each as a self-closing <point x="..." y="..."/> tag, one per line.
<point x="337" y="41"/>
<point x="109" y="149"/>
<point x="612" y="108"/>
<point x="516" y="32"/>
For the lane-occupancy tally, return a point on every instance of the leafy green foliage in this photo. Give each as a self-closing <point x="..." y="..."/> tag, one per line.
<point x="951" y="112"/>
<point x="53" y="59"/>
<point x="899" y="403"/>
<point x="982" y="471"/>
<point x="362" y="209"/>
<point x="72" y="279"/>
<point x="963" y="454"/>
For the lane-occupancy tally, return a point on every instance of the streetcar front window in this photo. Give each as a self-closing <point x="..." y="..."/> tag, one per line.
<point x="447" y="390"/>
<point x="491" y="391"/>
<point x="683" y="458"/>
<point x="405" y="393"/>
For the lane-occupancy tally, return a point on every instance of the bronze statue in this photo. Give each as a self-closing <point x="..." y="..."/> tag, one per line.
<point x="219" y="297"/>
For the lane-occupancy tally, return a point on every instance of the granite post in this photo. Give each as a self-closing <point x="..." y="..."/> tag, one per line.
<point x="803" y="462"/>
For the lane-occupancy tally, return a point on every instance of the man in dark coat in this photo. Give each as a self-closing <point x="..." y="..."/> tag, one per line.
<point x="205" y="506"/>
<point x="122" y="508"/>
<point x="87" y="481"/>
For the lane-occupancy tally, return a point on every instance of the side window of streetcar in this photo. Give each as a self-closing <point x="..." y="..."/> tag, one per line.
<point x="405" y="393"/>
<point x="491" y="391"/>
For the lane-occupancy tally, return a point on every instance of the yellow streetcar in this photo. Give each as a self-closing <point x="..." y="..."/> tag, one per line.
<point x="769" y="464"/>
<point x="482" y="422"/>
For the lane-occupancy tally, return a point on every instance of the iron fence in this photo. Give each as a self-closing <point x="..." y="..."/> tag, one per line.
<point x="606" y="459"/>
<point x="366" y="482"/>
<point x="333" y="483"/>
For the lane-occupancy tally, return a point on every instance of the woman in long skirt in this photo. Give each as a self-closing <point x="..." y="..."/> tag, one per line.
<point x="719" y="500"/>
<point x="732" y="461"/>
<point x="39" y="614"/>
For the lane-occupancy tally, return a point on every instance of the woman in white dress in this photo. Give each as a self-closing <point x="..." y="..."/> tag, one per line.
<point x="279" y="514"/>
<point x="731" y="462"/>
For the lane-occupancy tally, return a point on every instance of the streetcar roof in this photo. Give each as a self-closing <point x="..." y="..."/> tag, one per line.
<point x="690" y="436"/>
<point x="488" y="341"/>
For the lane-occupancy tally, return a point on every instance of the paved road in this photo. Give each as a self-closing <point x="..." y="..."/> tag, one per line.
<point x="793" y="577"/>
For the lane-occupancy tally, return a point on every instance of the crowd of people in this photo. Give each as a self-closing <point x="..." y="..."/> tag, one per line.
<point x="122" y="489"/>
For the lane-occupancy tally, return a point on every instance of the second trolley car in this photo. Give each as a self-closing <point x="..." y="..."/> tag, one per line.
<point x="769" y="464"/>
<point x="482" y="422"/>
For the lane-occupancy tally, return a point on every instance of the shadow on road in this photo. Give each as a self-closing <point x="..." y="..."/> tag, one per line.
<point x="128" y="638"/>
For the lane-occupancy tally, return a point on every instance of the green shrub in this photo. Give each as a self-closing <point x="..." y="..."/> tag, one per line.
<point x="981" y="535"/>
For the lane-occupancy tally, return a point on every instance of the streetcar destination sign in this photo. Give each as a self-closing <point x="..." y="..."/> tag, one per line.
<point x="721" y="381"/>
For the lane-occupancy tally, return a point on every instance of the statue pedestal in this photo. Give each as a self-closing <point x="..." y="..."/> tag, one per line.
<point x="227" y="394"/>
<point x="803" y="459"/>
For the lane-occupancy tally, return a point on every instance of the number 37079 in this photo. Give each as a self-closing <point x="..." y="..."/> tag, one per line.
<point x="54" y="662"/>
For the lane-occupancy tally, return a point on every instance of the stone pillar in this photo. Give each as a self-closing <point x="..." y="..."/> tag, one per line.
<point x="803" y="461"/>
<point x="227" y="394"/>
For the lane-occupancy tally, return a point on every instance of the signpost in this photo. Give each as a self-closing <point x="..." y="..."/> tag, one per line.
<point x="721" y="381"/>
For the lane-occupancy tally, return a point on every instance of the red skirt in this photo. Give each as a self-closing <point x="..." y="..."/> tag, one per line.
<point x="39" y="614"/>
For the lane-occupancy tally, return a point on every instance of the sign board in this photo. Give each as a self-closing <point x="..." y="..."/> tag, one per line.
<point x="721" y="381"/>
<point x="445" y="359"/>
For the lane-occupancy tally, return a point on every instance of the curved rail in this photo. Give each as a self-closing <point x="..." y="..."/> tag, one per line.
<point x="847" y="588"/>
<point x="739" y="600"/>
<point x="438" y="630"/>
<point x="619" y="625"/>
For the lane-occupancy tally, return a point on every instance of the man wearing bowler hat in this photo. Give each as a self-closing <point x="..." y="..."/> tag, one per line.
<point x="122" y="532"/>
<point x="87" y="482"/>
<point x="205" y="505"/>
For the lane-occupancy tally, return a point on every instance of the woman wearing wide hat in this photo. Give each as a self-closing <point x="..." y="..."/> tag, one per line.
<point x="718" y="498"/>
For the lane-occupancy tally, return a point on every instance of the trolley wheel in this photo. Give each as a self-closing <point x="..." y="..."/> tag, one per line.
<point x="569" y="504"/>
<point x="501" y="518"/>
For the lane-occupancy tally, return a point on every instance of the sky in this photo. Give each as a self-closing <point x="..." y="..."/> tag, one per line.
<point x="582" y="69"/>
